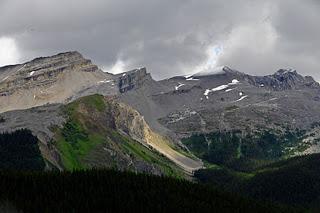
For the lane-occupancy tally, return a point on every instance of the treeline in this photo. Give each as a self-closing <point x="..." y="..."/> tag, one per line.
<point x="242" y="153"/>
<point x="112" y="191"/>
<point x="293" y="182"/>
<point x="19" y="150"/>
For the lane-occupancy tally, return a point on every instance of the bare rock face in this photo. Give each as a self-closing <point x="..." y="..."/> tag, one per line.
<point x="132" y="79"/>
<point x="284" y="80"/>
<point x="47" y="80"/>
<point x="152" y="112"/>
<point x="227" y="100"/>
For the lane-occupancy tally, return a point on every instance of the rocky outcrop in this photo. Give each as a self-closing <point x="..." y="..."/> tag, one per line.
<point x="47" y="80"/>
<point x="283" y="80"/>
<point x="132" y="79"/>
<point x="130" y="122"/>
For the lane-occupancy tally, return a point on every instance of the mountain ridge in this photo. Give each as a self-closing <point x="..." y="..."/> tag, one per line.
<point x="179" y="109"/>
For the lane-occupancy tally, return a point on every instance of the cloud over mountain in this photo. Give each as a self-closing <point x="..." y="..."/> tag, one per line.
<point x="170" y="37"/>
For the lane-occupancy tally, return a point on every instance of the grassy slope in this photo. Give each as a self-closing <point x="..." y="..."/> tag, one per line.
<point x="81" y="135"/>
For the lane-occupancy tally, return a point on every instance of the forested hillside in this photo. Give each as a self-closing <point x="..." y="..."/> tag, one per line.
<point x="112" y="191"/>
<point x="293" y="182"/>
<point x="19" y="151"/>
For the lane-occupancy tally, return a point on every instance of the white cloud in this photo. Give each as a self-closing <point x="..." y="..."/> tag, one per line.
<point x="213" y="53"/>
<point x="118" y="67"/>
<point x="9" y="53"/>
<point x="170" y="37"/>
<point x="260" y="39"/>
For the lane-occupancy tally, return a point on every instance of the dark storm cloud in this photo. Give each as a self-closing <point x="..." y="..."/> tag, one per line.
<point x="170" y="37"/>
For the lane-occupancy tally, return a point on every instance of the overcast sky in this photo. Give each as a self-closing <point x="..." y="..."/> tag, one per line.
<point x="169" y="37"/>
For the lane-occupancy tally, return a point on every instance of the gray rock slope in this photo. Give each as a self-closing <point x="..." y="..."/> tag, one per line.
<point x="55" y="79"/>
<point x="33" y="93"/>
<point x="229" y="100"/>
<point x="221" y="100"/>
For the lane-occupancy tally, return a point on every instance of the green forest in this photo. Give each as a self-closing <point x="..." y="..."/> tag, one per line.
<point x="285" y="186"/>
<point x="19" y="151"/>
<point x="242" y="153"/>
<point x="26" y="187"/>
<point x="293" y="182"/>
<point x="112" y="191"/>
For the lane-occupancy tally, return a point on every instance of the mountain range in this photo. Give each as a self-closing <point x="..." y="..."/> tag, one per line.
<point x="83" y="117"/>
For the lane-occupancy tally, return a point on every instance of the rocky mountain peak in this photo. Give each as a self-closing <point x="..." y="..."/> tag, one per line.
<point x="46" y="80"/>
<point x="286" y="72"/>
<point x="284" y="79"/>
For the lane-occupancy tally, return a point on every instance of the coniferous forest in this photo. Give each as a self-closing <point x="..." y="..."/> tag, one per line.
<point x="26" y="187"/>
<point x="19" y="151"/>
<point x="112" y="191"/>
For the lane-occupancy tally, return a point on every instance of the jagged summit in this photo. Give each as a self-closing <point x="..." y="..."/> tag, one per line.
<point x="67" y="76"/>
<point x="212" y="101"/>
<point x="286" y="71"/>
<point x="284" y="79"/>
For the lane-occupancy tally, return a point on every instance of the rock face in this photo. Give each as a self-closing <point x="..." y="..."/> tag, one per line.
<point x="132" y="79"/>
<point x="227" y="101"/>
<point x="60" y="79"/>
<point x="284" y="80"/>
<point x="152" y="112"/>
<point x="115" y="123"/>
<point x="133" y="124"/>
<point x="47" y="80"/>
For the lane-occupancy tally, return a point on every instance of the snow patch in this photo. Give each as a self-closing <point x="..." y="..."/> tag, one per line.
<point x="229" y="90"/>
<point x="222" y="87"/>
<point x="192" y="79"/>
<point x="31" y="73"/>
<point x="104" y="81"/>
<point x="178" y="86"/>
<point x="234" y="82"/>
<point x="219" y="88"/>
<point x="240" y="99"/>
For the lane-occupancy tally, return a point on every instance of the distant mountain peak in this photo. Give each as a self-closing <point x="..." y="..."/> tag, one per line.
<point x="221" y="70"/>
<point x="284" y="79"/>
<point x="286" y="72"/>
<point x="52" y="79"/>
